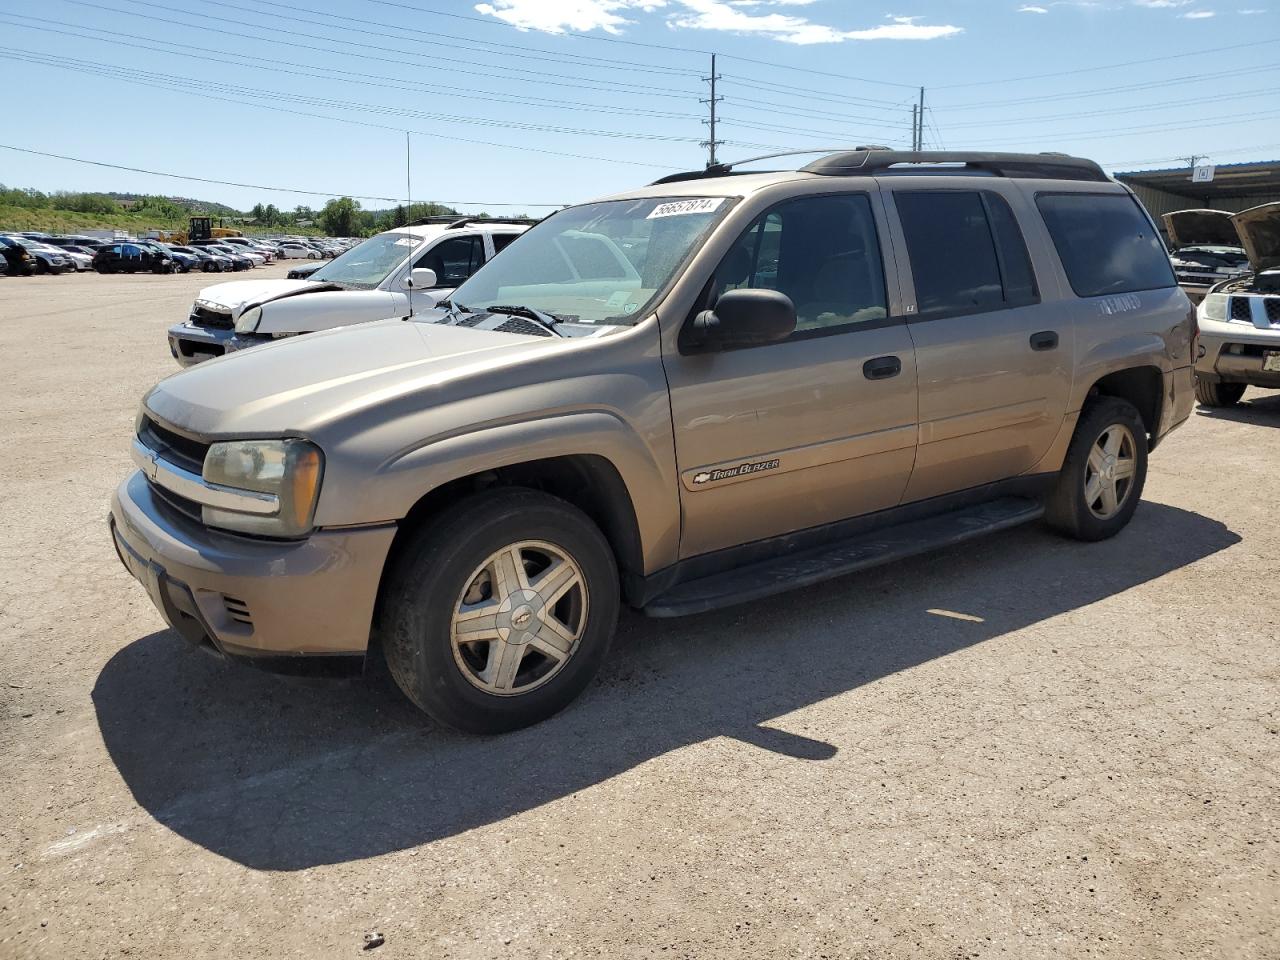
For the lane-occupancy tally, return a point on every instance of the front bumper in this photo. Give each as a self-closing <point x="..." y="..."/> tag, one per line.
<point x="190" y="344"/>
<point x="247" y="597"/>
<point x="1235" y="352"/>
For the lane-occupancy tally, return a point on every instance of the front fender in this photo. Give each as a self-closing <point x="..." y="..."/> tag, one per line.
<point x="402" y="479"/>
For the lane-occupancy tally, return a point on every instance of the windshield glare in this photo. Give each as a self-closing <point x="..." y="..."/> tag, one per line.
<point x="601" y="263"/>
<point x="367" y="264"/>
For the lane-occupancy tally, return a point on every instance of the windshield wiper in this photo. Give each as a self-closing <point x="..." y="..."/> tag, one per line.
<point x="546" y="320"/>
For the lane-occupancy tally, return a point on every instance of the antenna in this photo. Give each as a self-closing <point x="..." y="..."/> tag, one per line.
<point x="408" y="189"/>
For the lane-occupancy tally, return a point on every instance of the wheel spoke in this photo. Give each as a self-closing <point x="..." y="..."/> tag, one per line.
<point x="554" y="582"/>
<point x="1110" y="500"/>
<point x="508" y="573"/>
<point x="1113" y="438"/>
<point x="503" y="665"/>
<point x="1096" y="457"/>
<point x="479" y="622"/>
<point x="1093" y="490"/>
<point x="554" y="635"/>
<point x="1125" y="469"/>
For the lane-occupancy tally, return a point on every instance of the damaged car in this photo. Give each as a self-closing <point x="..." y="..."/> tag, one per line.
<point x="1240" y="318"/>
<point x="372" y="281"/>
<point x="1205" y="250"/>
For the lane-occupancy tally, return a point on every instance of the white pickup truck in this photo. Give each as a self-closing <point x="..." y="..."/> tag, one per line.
<point x="371" y="281"/>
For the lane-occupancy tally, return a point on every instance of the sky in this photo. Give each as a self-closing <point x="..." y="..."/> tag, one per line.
<point x="523" y="105"/>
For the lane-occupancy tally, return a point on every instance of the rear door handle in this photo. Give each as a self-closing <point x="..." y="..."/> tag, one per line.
<point x="882" y="368"/>
<point x="1045" y="340"/>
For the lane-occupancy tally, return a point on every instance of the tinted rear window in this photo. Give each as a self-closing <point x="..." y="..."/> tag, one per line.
<point x="953" y="255"/>
<point x="1106" y="243"/>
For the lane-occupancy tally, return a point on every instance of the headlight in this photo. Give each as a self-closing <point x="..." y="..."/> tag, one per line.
<point x="248" y="321"/>
<point x="1215" y="307"/>
<point x="289" y="469"/>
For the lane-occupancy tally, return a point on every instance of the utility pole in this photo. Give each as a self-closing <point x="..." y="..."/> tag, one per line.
<point x="915" y="117"/>
<point x="920" y="122"/>
<point x="712" y="143"/>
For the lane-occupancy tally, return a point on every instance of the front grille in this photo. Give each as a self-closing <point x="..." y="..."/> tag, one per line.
<point x="188" y="508"/>
<point x="1240" y="309"/>
<point x="179" y="450"/>
<point x="237" y="610"/>
<point x="1273" y="309"/>
<point x="520" y="325"/>
<point x="203" y="317"/>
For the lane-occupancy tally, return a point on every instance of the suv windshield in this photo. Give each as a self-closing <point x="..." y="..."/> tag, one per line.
<point x="367" y="264"/>
<point x="597" y="263"/>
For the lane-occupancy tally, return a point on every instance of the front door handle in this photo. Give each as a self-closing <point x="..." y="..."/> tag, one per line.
<point x="1045" y="340"/>
<point x="882" y="368"/>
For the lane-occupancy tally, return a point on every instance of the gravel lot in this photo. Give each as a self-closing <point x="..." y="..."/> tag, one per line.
<point x="1084" y="763"/>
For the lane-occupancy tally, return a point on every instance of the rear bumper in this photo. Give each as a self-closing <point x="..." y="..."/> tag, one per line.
<point x="266" y="600"/>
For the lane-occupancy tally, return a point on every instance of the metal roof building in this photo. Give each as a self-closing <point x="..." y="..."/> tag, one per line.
<point x="1235" y="187"/>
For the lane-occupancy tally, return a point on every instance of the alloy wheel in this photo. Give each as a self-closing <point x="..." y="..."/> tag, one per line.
<point x="1109" y="473"/>
<point x="519" y="619"/>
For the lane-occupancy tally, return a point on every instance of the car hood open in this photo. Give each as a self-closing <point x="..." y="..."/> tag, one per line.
<point x="1201" y="227"/>
<point x="305" y="384"/>
<point x="1259" y="231"/>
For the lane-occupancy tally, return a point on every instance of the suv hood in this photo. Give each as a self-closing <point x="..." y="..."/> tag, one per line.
<point x="1259" y="230"/>
<point x="1201" y="227"/>
<point x="237" y="296"/>
<point x="301" y="385"/>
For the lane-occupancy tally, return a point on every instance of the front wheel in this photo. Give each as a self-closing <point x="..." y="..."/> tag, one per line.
<point x="1103" y="474"/>
<point x="500" y="612"/>
<point x="1210" y="393"/>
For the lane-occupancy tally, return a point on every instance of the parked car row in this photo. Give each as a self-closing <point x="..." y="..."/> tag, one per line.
<point x="24" y="254"/>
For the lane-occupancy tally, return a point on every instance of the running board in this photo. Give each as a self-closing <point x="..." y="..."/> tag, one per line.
<point x="865" y="550"/>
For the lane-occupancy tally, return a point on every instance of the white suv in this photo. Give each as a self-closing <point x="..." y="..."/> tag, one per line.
<point x="371" y="281"/>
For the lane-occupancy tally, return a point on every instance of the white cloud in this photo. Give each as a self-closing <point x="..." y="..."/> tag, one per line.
<point x="732" y="16"/>
<point x="728" y="16"/>
<point x="1162" y="4"/>
<point x="1033" y="9"/>
<point x="557" y="16"/>
<point x="1198" y="15"/>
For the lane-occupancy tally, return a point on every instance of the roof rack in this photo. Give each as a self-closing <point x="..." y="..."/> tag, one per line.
<point x="867" y="161"/>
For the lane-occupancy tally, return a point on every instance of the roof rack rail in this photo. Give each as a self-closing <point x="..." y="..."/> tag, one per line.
<point x="866" y="161"/>
<point x="464" y="221"/>
<point x="724" y="169"/>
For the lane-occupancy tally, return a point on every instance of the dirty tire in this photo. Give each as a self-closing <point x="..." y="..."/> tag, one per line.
<point x="429" y="577"/>
<point x="1066" y="509"/>
<point x="1211" y="393"/>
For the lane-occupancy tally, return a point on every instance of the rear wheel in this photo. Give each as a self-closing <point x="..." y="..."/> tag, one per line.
<point x="1211" y="393"/>
<point x="501" y="611"/>
<point x="1103" y="474"/>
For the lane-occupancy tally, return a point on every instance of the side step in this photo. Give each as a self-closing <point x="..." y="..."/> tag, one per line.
<point x="815" y="565"/>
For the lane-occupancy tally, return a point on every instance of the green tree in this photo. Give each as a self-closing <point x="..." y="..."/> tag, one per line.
<point x="341" y="217"/>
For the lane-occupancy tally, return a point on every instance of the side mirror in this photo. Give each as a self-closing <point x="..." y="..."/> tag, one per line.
<point x="744" y="318"/>
<point x="421" y="278"/>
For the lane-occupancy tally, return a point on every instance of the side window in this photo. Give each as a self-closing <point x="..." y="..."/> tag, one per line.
<point x="952" y="253"/>
<point x="501" y="241"/>
<point x="129" y="250"/>
<point x="454" y="259"/>
<point x="1015" y="263"/>
<point x="1106" y="243"/>
<point x="822" y="252"/>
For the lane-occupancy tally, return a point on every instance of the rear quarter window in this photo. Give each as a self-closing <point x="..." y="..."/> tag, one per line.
<point x="1106" y="243"/>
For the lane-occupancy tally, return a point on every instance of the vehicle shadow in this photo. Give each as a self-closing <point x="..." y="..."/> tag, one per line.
<point x="281" y="776"/>
<point x="1262" y="409"/>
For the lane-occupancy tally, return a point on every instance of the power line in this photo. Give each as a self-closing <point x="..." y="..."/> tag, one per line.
<point x="1234" y="151"/>
<point x="824" y="73"/>
<point x="1187" y="126"/>
<point x="433" y="61"/>
<point x="258" y="186"/>
<point x="167" y="87"/>
<point x="479" y="45"/>
<point x="363" y="78"/>
<point x="1140" y="108"/>
<point x="1110" y="66"/>
<point x="126" y="73"/>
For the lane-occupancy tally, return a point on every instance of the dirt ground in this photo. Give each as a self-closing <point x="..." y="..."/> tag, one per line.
<point x="1025" y="747"/>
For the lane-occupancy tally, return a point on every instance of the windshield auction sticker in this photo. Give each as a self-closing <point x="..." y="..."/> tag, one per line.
<point x="680" y="208"/>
